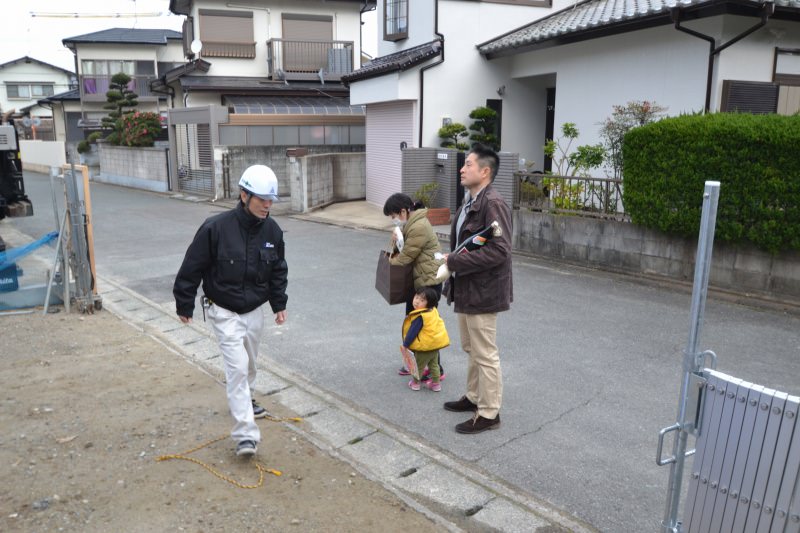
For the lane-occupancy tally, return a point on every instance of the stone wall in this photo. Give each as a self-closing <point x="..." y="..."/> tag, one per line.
<point x="140" y="168"/>
<point x="630" y="248"/>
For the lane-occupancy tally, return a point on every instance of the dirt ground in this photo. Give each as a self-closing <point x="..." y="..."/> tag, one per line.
<point x="88" y="403"/>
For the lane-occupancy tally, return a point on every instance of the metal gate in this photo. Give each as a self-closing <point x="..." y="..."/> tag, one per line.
<point x="195" y="158"/>
<point x="747" y="465"/>
<point x="746" y="471"/>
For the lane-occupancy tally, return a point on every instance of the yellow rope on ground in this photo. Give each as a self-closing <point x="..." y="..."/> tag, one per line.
<point x="261" y="468"/>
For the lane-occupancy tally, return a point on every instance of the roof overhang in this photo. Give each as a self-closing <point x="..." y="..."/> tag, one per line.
<point x="700" y="10"/>
<point x="399" y="61"/>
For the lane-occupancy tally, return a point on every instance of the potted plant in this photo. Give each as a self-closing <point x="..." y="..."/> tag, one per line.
<point x="437" y="216"/>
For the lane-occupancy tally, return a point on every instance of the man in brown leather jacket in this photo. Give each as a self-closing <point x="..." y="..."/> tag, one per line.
<point x="480" y="287"/>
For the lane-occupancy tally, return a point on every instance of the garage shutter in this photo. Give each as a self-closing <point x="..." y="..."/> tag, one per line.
<point x="388" y="125"/>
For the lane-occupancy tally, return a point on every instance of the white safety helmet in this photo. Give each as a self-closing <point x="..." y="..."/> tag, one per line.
<point x="260" y="180"/>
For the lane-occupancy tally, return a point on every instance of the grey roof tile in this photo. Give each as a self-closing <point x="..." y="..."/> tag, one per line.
<point x="401" y="60"/>
<point x="126" y="36"/>
<point x="595" y="14"/>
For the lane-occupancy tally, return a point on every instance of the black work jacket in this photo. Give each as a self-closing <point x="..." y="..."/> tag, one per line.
<point x="240" y="260"/>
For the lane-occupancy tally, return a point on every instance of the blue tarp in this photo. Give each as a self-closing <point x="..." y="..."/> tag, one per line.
<point x="10" y="257"/>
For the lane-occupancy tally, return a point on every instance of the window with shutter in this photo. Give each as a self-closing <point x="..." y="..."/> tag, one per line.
<point x="227" y="34"/>
<point x="749" y="97"/>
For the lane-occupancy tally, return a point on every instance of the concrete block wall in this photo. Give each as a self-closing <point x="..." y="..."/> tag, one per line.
<point x="441" y="166"/>
<point x="316" y="180"/>
<point x="630" y="248"/>
<point x="139" y="167"/>
<point x="349" y="176"/>
<point x="275" y="158"/>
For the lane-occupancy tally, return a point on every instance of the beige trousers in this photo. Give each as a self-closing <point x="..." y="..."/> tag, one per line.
<point x="484" y="377"/>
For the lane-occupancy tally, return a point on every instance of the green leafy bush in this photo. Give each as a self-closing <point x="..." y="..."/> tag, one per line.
<point x="140" y="128"/>
<point x="755" y="157"/>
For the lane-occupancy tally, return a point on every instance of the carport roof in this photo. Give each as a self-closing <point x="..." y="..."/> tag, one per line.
<point x="597" y="18"/>
<point x="289" y="105"/>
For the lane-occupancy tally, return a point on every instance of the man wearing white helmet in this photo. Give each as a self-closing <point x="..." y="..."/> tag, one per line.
<point x="239" y="257"/>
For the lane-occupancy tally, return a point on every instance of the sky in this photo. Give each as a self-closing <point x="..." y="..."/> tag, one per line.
<point x="35" y="28"/>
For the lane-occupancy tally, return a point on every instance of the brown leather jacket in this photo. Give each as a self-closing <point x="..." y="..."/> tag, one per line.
<point x="482" y="283"/>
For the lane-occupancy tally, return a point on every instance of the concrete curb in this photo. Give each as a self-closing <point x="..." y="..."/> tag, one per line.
<point x="455" y="495"/>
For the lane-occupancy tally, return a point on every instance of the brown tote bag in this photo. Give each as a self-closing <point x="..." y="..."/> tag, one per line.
<point x="394" y="282"/>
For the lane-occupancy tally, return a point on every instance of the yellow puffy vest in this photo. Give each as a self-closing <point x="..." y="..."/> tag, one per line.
<point x="432" y="336"/>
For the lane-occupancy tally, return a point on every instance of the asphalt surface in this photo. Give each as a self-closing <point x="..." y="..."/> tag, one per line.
<point x="591" y="360"/>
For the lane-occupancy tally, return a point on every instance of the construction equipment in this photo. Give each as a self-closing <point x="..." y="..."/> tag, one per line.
<point x="13" y="201"/>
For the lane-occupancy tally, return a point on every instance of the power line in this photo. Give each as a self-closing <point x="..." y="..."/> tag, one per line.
<point x="46" y="14"/>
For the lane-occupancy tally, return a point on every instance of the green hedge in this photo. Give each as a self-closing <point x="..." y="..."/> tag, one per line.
<point x="756" y="158"/>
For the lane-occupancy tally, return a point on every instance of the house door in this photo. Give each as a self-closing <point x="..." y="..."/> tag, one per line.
<point x="497" y="107"/>
<point x="549" y="124"/>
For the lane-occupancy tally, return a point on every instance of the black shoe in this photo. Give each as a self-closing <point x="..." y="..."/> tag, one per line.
<point x="477" y="424"/>
<point x="461" y="406"/>
<point x="246" y="447"/>
<point x="258" y="411"/>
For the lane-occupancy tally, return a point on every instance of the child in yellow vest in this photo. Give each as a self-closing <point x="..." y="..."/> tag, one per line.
<point x="424" y="334"/>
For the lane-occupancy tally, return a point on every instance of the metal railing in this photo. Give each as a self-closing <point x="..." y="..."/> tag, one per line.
<point x="94" y="88"/>
<point x="307" y="60"/>
<point x="574" y="195"/>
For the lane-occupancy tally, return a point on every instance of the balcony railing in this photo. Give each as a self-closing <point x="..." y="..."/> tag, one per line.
<point x="572" y="195"/>
<point x="94" y="88"/>
<point x="307" y="60"/>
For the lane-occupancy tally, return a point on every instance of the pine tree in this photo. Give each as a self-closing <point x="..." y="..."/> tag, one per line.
<point x="120" y="101"/>
<point x="484" y="127"/>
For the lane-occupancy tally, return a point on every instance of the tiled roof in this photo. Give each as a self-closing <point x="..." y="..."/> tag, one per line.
<point x="596" y="14"/>
<point x="28" y="59"/>
<point x="73" y="94"/>
<point x="126" y="36"/>
<point x="402" y="60"/>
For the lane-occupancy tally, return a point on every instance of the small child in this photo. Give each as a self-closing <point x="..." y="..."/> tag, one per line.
<point x="424" y="334"/>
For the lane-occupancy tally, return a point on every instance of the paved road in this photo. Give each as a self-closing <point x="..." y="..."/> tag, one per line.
<point x="591" y="361"/>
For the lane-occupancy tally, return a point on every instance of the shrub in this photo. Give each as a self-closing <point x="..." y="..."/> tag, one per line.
<point x="577" y="163"/>
<point x="484" y="127"/>
<point x="140" y="128"/>
<point x="451" y="133"/>
<point x="624" y="118"/>
<point x="755" y="157"/>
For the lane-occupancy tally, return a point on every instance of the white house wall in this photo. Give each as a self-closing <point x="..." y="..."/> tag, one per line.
<point x="659" y="64"/>
<point x="267" y="24"/>
<point x="34" y="73"/>
<point x="466" y="79"/>
<point x="753" y="57"/>
<point x="387" y="88"/>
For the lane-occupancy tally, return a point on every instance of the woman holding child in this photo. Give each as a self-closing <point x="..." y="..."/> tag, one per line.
<point x="420" y="245"/>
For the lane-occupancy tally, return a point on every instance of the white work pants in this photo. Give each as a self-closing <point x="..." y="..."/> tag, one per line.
<point x="238" y="337"/>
